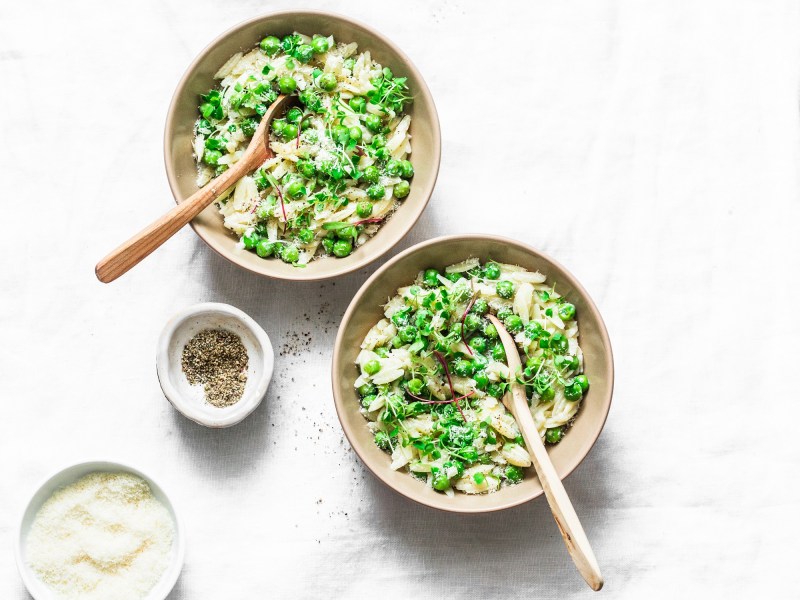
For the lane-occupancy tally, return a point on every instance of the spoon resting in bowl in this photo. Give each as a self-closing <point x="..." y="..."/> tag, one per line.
<point x="130" y="253"/>
<point x="567" y="520"/>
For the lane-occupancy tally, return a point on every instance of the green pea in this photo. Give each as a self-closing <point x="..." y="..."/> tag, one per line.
<point x="211" y="157"/>
<point x="394" y="167"/>
<point x="294" y="115"/>
<point x="367" y="389"/>
<point x="327" y="82"/>
<point x="342" y="248"/>
<point x="498" y="352"/>
<point x="472" y="322"/>
<point x="583" y="381"/>
<point x="490" y="331"/>
<point x="311" y="99"/>
<point x="431" y="278"/>
<point x="290" y="254"/>
<point x="414" y="385"/>
<point x="382" y="351"/>
<point x="478" y="343"/>
<point x="373" y="123"/>
<point x="534" y="363"/>
<point x="366" y="401"/>
<point x="554" y="435"/>
<point x="376" y="191"/>
<point x="287" y="84"/>
<point x="355" y="133"/>
<point x="441" y="483"/>
<point x="533" y="330"/>
<point x="505" y="289"/>
<point x="347" y="233"/>
<point x="480" y="307"/>
<point x="453" y="276"/>
<point x="340" y="134"/>
<point x="491" y="271"/>
<point x="304" y="53"/>
<point x="504" y="313"/>
<point x="513" y="323"/>
<point x="559" y="343"/>
<point x="296" y="189"/>
<point x="371" y="367"/>
<point x="358" y="104"/>
<point x="270" y="45"/>
<point x="306" y="168"/>
<point x="396" y="342"/>
<point x="320" y="45"/>
<point x="372" y="174"/>
<point x="289" y="131"/>
<point x="481" y="380"/>
<point x="495" y="390"/>
<point x="379" y="141"/>
<point x="264" y="248"/>
<point x="514" y="474"/>
<point x="305" y="235"/>
<point x="364" y="209"/>
<point x="249" y="127"/>
<point x="401" y="190"/>
<point x="566" y="311"/>
<point x="250" y="240"/>
<point x="349" y="63"/>
<point x="277" y="126"/>
<point x="408" y="333"/>
<point x="463" y="368"/>
<point x="406" y="169"/>
<point x="327" y="244"/>
<point x="382" y="440"/>
<point x="573" y="391"/>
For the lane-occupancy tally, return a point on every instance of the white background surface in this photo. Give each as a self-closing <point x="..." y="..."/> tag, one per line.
<point x="651" y="147"/>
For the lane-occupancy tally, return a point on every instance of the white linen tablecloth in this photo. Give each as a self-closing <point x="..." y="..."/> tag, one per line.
<point x="652" y="147"/>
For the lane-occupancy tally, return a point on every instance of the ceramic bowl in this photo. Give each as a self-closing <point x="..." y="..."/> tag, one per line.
<point x="366" y="309"/>
<point x="189" y="399"/>
<point x="38" y="589"/>
<point x="198" y="79"/>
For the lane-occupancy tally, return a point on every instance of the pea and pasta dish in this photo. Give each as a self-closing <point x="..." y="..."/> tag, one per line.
<point x="433" y="373"/>
<point x="340" y="165"/>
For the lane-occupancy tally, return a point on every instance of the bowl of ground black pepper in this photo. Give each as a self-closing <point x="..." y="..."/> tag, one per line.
<point x="214" y="363"/>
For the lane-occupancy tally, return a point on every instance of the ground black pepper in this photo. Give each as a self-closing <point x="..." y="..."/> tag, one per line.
<point x="217" y="359"/>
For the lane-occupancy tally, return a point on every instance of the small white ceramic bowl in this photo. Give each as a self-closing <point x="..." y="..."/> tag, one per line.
<point x="189" y="399"/>
<point x="37" y="588"/>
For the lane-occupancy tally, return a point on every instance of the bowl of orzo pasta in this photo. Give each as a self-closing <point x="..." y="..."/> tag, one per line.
<point x="419" y="374"/>
<point x="353" y="161"/>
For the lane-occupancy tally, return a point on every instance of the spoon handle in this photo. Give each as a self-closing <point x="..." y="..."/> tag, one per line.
<point x="563" y="512"/>
<point x="130" y="253"/>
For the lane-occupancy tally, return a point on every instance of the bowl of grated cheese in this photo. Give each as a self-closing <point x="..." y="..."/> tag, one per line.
<point x="99" y="529"/>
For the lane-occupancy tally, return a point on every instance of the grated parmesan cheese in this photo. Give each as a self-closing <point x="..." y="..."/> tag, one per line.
<point x="104" y="536"/>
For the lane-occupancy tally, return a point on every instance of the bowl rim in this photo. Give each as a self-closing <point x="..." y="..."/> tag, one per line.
<point x="423" y="93"/>
<point x="229" y="415"/>
<point x="172" y="572"/>
<point x="336" y="363"/>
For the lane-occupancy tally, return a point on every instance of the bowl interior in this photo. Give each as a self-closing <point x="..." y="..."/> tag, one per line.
<point x="40" y="590"/>
<point x="181" y="169"/>
<point x="190" y="399"/>
<point x="366" y="309"/>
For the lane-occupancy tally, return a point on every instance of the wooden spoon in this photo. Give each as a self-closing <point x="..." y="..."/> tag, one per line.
<point x="566" y="519"/>
<point x="130" y="253"/>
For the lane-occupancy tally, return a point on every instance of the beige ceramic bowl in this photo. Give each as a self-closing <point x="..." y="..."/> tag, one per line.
<point x="198" y="79"/>
<point x="366" y="309"/>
